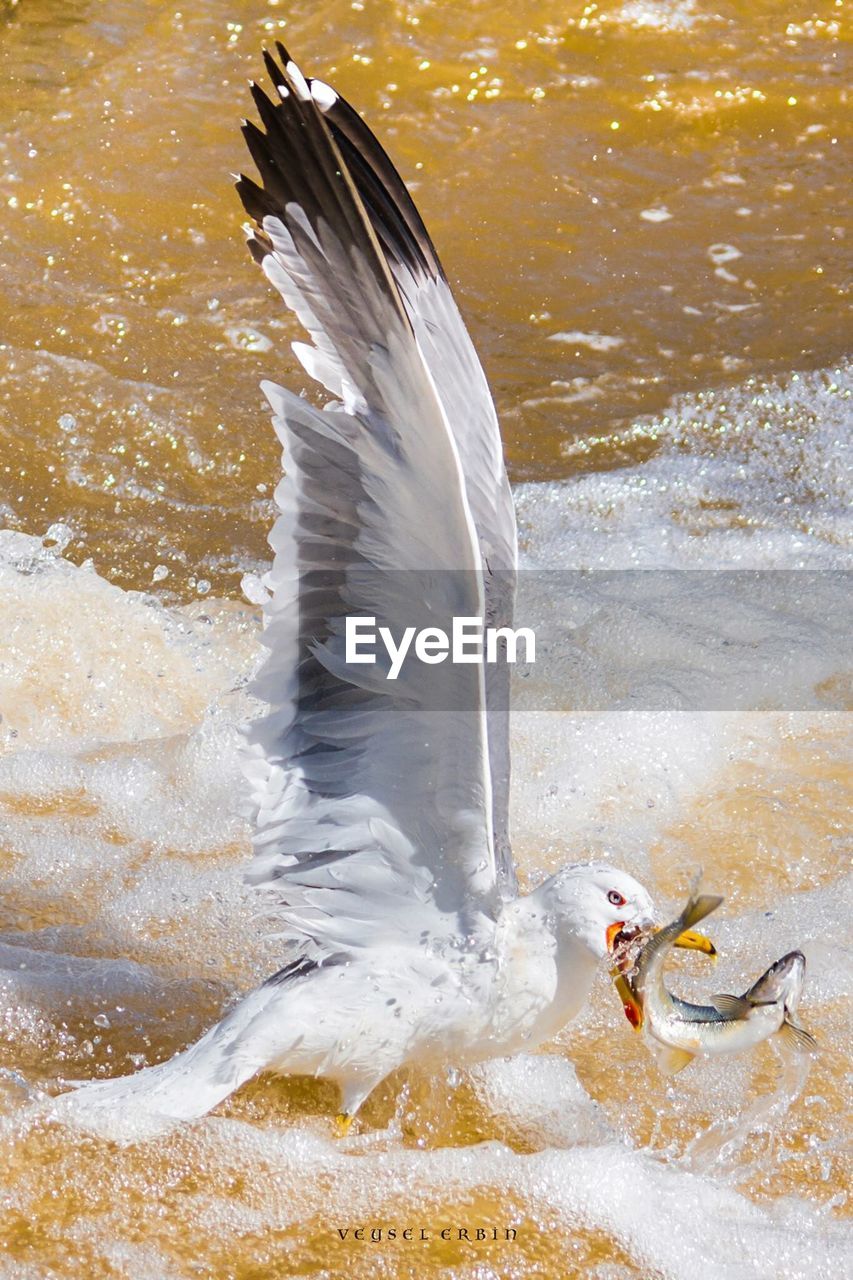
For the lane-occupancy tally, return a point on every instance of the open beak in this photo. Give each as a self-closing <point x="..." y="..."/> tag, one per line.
<point x="689" y="940"/>
<point x="630" y="1004"/>
<point x="619" y="938"/>
<point x="620" y="933"/>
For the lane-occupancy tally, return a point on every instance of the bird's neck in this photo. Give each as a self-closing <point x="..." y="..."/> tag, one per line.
<point x="544" y="973"/>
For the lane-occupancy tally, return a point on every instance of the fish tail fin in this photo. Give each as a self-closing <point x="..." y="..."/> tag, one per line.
<point x="796" y="1036"/>
<point x="669" y="1059"/>
<point x="698" y="908"/>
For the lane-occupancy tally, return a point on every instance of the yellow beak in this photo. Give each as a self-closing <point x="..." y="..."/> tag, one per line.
<point x="690" y="940"/>
<point x="631" y="1005"/>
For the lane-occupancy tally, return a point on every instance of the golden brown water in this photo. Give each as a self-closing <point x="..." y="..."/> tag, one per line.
<point x="540" y="139"/>
<point x="635" y="202"/>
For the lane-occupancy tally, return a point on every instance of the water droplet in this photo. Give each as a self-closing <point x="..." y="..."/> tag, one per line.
<point x="58" y="537"/>
<point x="253" y="589"/>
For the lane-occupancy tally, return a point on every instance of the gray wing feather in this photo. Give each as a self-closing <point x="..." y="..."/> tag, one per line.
<point x="463" y="391"/>
<point x="372" y="801"/>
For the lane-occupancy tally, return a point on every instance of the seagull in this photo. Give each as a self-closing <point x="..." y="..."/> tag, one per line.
<point x="379" y="806"/>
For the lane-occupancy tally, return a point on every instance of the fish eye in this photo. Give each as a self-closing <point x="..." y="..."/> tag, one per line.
<point x="616" y="898"/>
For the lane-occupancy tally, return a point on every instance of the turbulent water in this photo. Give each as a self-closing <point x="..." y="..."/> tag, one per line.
<point x="641" y="207"/>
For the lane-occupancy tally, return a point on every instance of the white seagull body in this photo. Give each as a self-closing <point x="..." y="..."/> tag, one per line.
<point x="380" y="816"/>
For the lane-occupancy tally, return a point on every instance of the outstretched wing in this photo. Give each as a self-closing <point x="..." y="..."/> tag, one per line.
<point x="461" y="387"/>
<point x="372" y="796"/>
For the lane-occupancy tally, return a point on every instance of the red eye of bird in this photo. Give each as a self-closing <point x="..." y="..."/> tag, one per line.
<point x="616" y="898"/>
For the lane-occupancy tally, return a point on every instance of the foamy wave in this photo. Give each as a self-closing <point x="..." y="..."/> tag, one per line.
<point x="127" y="927"/>
<point x="85" y="662"/>
<point x="756" y="476"/>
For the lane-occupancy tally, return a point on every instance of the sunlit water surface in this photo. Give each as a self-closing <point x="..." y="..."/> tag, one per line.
<point x="641" y="208"/>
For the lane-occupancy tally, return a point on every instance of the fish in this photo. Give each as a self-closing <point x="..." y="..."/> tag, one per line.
<point x="677" y="1031"/>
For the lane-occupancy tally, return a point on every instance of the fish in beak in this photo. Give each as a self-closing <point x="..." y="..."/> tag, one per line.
<point x="619" y="940"/>
<point x="621" y="935"/>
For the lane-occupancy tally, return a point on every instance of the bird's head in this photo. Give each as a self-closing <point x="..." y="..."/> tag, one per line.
<point x="607" y="910"/>
<point x="598" y="905"/>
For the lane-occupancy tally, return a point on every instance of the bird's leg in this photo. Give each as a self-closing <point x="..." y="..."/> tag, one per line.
<point x="343" y="1123"/>
<point x="354" y="1090"/>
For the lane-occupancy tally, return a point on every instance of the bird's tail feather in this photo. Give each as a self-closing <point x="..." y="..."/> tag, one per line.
<point x="186" y="1087"/>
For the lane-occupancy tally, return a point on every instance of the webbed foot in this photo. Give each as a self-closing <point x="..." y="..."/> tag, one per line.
<point x="343" y="1124"/>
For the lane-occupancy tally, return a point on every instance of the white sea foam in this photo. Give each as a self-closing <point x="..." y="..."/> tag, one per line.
<point x="595" y="341"/>
<point x="85" y="662"/>
<point x="656" y="664"/>
<point x="755" y="476"/>
<point x="123" y="849"/>
<point x="638" y="1201"/>
<point x="660" y="15"/>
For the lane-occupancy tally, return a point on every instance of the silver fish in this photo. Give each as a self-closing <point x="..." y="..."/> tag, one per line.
<point x="676" y="1030"/>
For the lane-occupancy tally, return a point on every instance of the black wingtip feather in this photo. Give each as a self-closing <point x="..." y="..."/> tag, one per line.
<point x="256" y="201"/>
<point x="282" y="53"/>
<point x="337" y="174"/>
<point x="266" y="109"/>
<point x="291" y="170"/>
<point x="272" y="68"/>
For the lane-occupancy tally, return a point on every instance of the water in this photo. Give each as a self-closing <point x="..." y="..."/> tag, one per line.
<point x="689" y="411"/>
